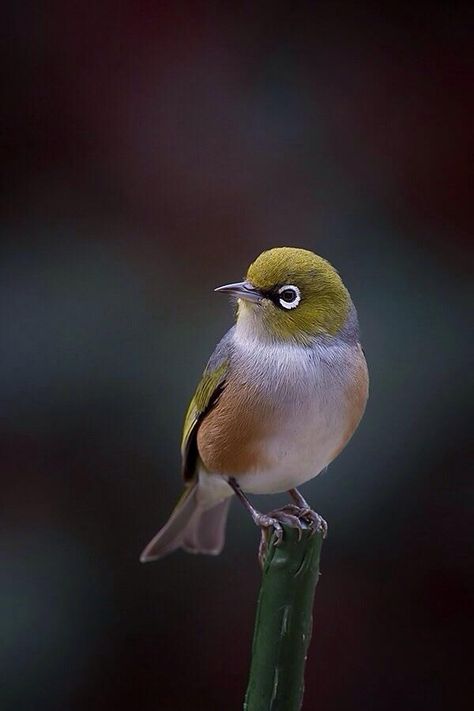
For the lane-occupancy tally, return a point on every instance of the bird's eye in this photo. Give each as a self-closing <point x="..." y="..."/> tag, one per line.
<point x="289" y="296"/>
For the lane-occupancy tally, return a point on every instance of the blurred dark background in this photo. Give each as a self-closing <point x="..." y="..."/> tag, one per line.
<point x="152" y="151"/>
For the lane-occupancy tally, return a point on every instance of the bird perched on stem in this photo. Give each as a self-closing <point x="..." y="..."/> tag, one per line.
<point x="280" y="397"/>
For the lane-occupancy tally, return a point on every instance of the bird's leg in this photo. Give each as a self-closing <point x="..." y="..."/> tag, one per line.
<point x="263" y="521"/>
<point x="316" y="522"/>
<point x="299" y="498"/>
<point x="290" y="516"/>
<point x="260" y="519"/>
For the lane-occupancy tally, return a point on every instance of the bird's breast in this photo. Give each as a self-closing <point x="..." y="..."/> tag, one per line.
<point x="283" y="416"/>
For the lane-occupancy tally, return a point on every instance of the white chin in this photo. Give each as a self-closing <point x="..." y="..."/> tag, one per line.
<point x="250" y="324"/>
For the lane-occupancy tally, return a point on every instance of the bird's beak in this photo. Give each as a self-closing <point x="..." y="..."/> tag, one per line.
<point x="242" y="290"/>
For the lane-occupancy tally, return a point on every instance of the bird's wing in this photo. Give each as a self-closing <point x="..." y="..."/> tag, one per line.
<point x="207" y="392"/>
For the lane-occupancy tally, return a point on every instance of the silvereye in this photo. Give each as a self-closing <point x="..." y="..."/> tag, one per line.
<point x="280" y="397"/>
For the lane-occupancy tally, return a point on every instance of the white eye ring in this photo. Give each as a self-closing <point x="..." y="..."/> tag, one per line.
<point x="290" y="304"/>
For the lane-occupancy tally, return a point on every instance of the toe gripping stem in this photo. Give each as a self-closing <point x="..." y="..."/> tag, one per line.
<point x="299" y="516"/>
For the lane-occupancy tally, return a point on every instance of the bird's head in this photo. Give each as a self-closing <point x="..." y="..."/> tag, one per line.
<point x="290" y="294"/>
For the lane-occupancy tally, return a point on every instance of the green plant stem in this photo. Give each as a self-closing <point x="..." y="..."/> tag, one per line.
<point x="283" y="623"/>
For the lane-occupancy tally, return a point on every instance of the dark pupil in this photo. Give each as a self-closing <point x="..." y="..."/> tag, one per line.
<point x="288" y="295"/>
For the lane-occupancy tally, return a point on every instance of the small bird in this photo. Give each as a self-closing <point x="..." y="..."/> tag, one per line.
<point x="280" y="397"/>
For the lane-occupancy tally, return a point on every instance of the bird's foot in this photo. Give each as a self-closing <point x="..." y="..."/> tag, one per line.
<point x="316" y="522"/>
<point x="267" y="524"/>
<point x="290" y="516"/>
<point x="313" y="520"/>
<point x="300" y="518"/>
<point x="268" y="521"/>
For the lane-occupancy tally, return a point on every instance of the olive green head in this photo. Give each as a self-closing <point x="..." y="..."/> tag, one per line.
<point x="291" y="294"/>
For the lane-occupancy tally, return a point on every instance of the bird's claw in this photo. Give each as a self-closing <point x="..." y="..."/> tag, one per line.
<point x="315" y="522"/>
<point x="266" y="521"/>
<point x="288" y="518"/>
<point x="291" y="515"/>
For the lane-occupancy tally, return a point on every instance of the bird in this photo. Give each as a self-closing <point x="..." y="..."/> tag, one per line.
<point x="280" y="397"/>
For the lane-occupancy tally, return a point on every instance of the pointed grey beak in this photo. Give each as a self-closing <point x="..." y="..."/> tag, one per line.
<point x="242" y="290"/>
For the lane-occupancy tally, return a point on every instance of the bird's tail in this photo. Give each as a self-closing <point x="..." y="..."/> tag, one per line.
<point x="192" y="526"/>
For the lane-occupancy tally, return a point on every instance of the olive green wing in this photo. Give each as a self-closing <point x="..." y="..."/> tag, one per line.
<point x="207" y="392"/>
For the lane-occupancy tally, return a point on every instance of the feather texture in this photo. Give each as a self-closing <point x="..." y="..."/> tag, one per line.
<point x="280" y="397"/>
